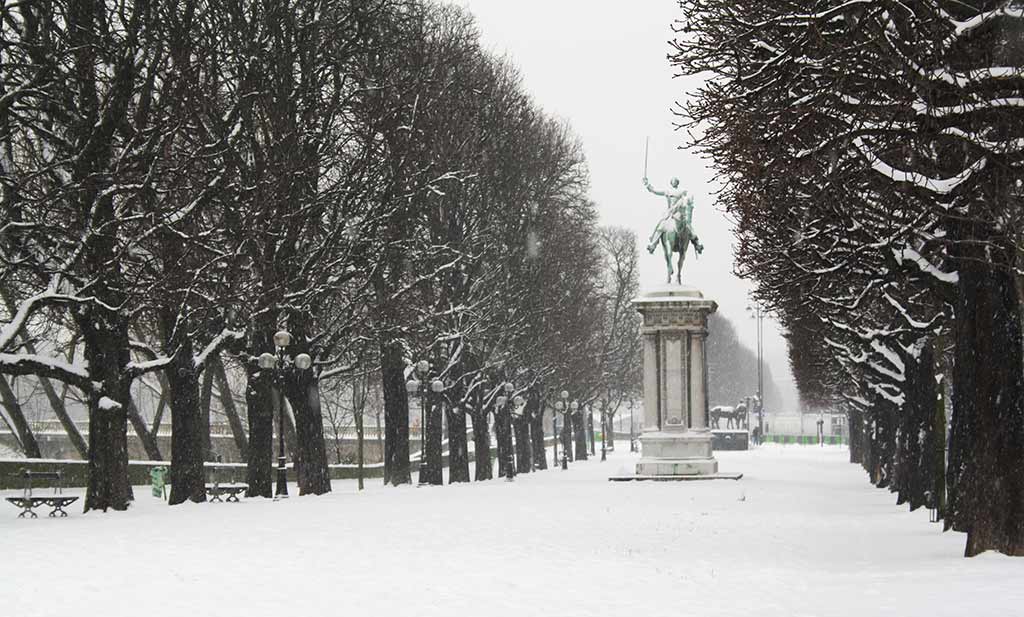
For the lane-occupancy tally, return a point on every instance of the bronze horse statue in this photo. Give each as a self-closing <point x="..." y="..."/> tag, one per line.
<point x="736" y="417"/>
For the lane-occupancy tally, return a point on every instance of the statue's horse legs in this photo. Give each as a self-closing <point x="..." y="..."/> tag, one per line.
<point x="668" y="239"/>
<point x="675" y="241"/>
<point x="681" y="245"/>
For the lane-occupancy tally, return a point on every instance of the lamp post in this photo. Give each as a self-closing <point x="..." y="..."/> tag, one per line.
<point x="604" y="436"/>
<point x="503" y="403"/>
<point x="511" y="454"/>
<point x="632" y="432"/>
<point x="559" y="406"/>
<point x="590" y="419"/>
<point x="280" y="364"/>
<point x="518" y="407"/>
<point x="758" y="316"/>
<point x="564" y="409"/>
<point x="436" y="475"/>
<point x="417" y="384"/>
<point x="577" y="422"/>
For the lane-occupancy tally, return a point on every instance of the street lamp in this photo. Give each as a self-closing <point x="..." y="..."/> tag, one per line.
<point x="758" y="316"/>
<point x="604" y="433"/>
<point x="518" y="405"/>
<point x="577" y="422"/>
<point x="280" y="365"/>
<point x="559" y="406"/>
<point x="566" y="420"/>
<point x="502" y="405"/>
<point x="632" y="433"/>
<point x="419" y="386"/>
<point x="590" y="420"/>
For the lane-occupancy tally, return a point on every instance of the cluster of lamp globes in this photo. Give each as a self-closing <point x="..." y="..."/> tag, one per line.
<point x="422" y="368"/>
<point x="517" y="402"/>
<point x="283" y="339"/>
<point x="563" y="407"/>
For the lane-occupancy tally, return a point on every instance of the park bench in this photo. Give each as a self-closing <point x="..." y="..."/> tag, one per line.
<point x="28" y="502"/>
<point x="232" y="489"/>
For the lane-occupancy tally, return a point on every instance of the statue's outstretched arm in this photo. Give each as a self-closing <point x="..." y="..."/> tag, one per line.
<point x="650" y="188"/>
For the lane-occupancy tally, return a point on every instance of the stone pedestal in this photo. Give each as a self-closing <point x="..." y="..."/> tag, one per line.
<point x="676" y="440"/>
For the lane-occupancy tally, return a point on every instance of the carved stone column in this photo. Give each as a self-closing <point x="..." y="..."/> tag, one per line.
<point x="652" y="421"/>
<point x="698" y="382"/>
<point x="675" y="440"/>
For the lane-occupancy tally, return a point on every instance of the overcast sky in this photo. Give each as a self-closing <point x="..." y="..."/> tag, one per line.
<point x="602" y="65"/>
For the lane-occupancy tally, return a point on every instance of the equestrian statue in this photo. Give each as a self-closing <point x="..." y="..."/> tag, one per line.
<point x="675" y="230"/>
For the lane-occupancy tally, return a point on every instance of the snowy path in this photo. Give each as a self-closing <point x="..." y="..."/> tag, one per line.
<point x="801" y="534"/>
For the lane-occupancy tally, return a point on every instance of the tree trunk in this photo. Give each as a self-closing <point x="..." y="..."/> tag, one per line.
<point x="579" y="426"/>
<point x="936" y="455"/>
<point x="503" y="440"/>
<point x="875" y="464"/>
<point x="567" y="437"/>
<point x="227" y="403"/>
<point x="24" y="431"/>
<point x="484" y="469"/>
<point x="106" y="352"/>
<point x="921" y="438"/>
<point x="988" y="396"/>
<point x="358" y="416"/>
<point x="593" y="437"/>
<point x="458" y="447"/>
<point x="188" y="478"/>
<point x="205" y="400"/>
<point x="396" y="415"/>
<point x="433" y="470"/>
<point x="524" y="456"/>
<point x="260" y="412"/>
<point x="309" y="450"/>
<point x="538" y="449"/>
<point x="903" y="453"/>
<point x="855" y="434"/>
<point x="883" y="442"/>
<point x="380" y="436"/>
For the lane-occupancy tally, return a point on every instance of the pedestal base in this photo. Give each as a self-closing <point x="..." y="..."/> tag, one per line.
<point x="671" y="453"/>
<point x="716" y="476"/>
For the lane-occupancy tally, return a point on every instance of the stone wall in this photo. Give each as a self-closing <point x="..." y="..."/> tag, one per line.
<point x="56" y="445"/>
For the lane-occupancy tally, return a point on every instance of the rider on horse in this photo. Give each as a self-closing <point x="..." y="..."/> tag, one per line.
<point x="680" y="213"/>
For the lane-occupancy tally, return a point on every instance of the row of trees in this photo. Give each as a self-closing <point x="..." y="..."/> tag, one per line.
<point x="180" y="180"/>
<point x="872" y="154"/>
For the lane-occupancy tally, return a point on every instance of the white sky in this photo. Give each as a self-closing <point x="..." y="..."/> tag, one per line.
<point x="602" y="65"/>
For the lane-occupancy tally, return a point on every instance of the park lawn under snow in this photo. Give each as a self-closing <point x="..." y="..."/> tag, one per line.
<point x="801" y="534"/>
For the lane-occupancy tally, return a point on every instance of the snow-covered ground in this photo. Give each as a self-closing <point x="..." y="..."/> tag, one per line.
<point x="801" y="534"/>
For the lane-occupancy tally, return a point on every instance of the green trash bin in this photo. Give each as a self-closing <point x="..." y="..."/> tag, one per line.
<point x="157" y="476"/>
